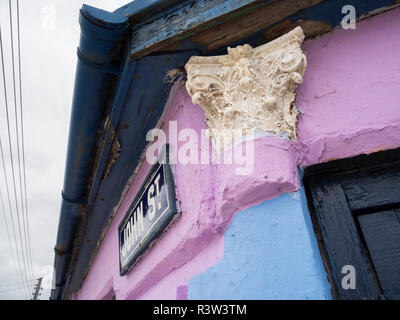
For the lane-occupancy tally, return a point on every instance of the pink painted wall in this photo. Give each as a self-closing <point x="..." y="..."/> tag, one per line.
<point x="195" y="242"/>
<point x="351" y="90"/>
<point x="349" y="101"/>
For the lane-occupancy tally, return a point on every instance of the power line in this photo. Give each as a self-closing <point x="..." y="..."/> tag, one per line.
<point x="24" y="224"/>
<point x="25" y="261"/>
<point x="26" y="286"/>
<point x="3" y="161"/>
<point x="24" y="274"/>
<point x="14" y="289"/>
<point x="17" y="137"/>
<point x="10" y="207"/>
<point x="13" y="283"/>
<point x="22" y="135"/>
<point x="9" y="238"/>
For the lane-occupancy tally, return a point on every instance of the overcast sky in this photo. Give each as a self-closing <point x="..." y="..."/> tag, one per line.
<point x="49" y="38"/>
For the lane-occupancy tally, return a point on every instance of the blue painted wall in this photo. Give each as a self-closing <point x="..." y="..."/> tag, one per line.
<point x="270" y="252"/>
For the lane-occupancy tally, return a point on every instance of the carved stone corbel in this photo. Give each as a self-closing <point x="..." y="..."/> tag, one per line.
<point x="249" y="88"/>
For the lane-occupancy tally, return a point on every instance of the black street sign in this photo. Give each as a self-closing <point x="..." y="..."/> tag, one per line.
<point x="149" y="214"/>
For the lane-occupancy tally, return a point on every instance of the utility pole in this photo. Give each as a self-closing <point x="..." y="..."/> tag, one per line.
<point x="37" y="289"/>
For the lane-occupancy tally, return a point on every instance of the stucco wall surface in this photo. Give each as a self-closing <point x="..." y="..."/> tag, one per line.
<point x="208" y="196"/>
<point x="350" y="95"/>
<point x="249" y="236"/>
<point x="268" y="255"/>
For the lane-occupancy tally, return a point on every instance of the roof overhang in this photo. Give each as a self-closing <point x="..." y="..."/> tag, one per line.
<point x="123" y="60"/>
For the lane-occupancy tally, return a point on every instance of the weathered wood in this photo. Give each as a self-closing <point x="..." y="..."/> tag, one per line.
<point x="354" y="204"/>
<point x="213" y="24"/>
<point x="183" y="20"/>
<point x="371" y="189"/>
<point x="381" y="159"/>
<point x="247" y="24"/>
<point x="311" y="28"/>
<point x="382" y="235"/>
<point x="341" y="239"/>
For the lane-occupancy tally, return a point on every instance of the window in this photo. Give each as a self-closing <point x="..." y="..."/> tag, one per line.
<point x="355" y="208"/>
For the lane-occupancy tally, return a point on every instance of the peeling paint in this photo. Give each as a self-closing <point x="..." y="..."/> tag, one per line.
<point x="353" y="117"/>
<point x="114" y="154"/>
<point x="173" y="75"/>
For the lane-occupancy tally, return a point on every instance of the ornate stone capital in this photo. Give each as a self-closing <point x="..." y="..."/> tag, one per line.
<point x="249" y="88"/>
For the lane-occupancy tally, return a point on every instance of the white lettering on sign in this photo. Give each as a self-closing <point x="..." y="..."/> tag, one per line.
<point x="151" y="202"/>
<point x="134" y="229"/>
<point x="150" y="213"/>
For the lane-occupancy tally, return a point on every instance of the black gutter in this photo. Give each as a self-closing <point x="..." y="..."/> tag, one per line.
<point x="102" y="37"/>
